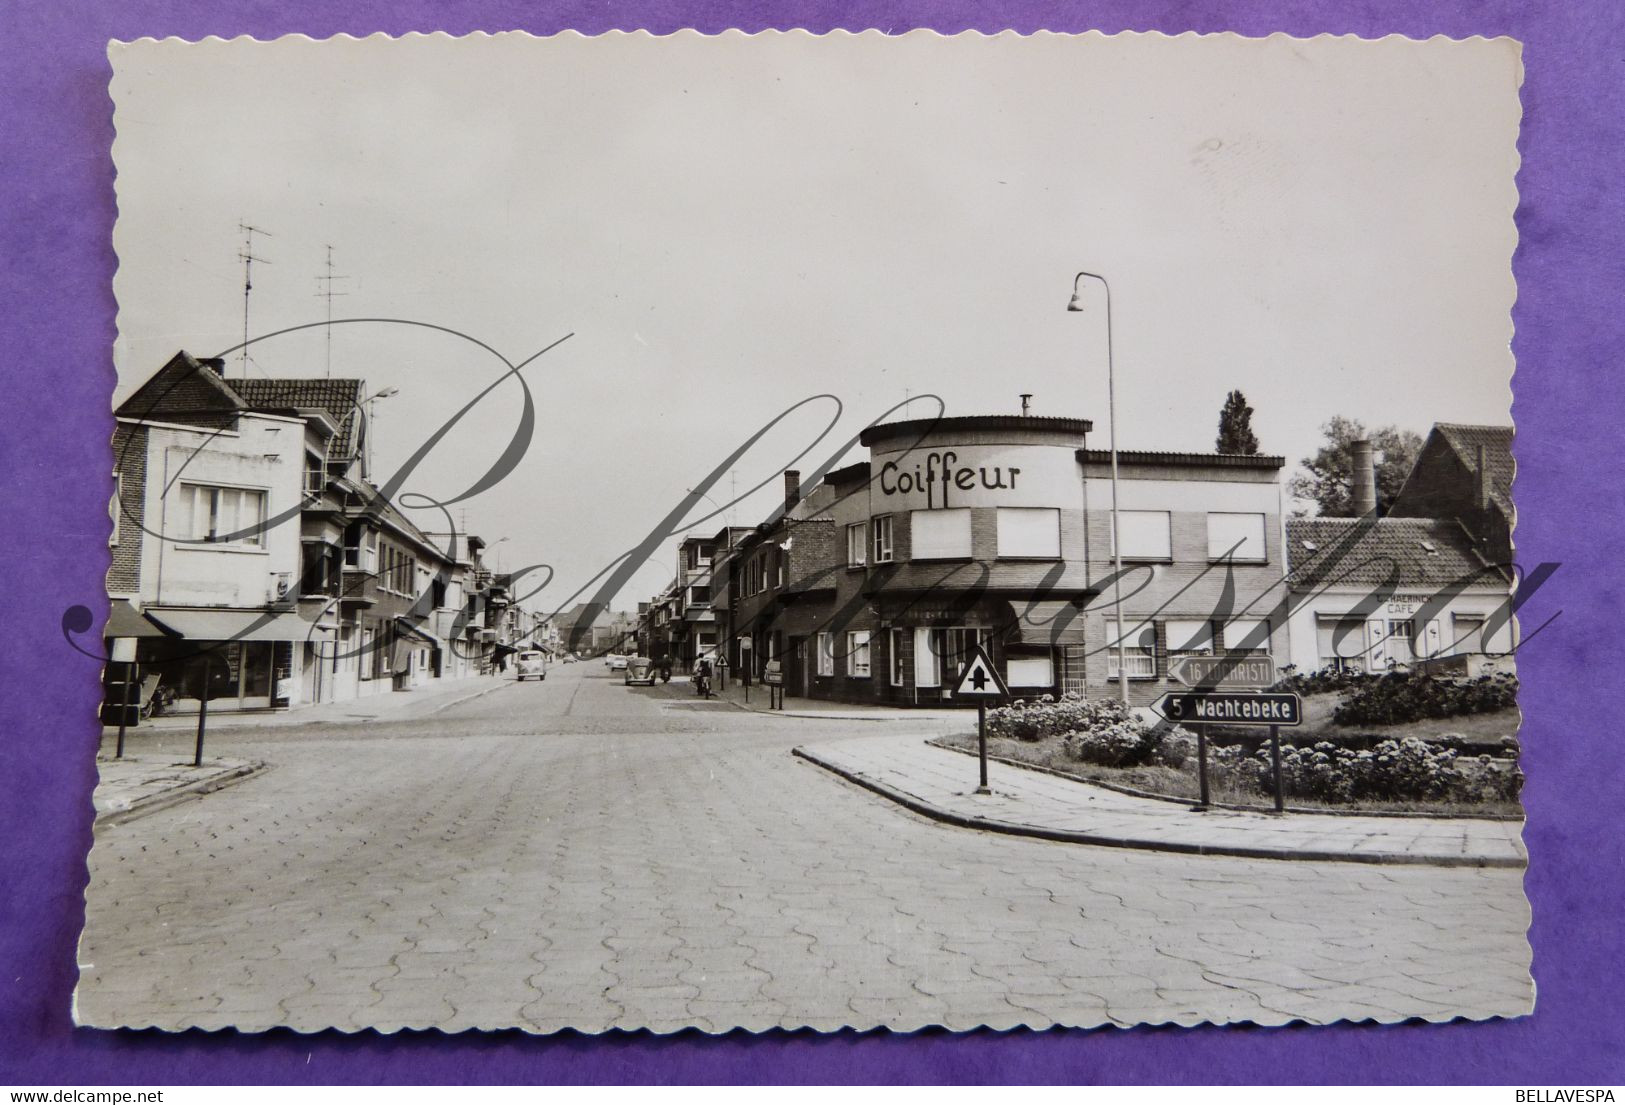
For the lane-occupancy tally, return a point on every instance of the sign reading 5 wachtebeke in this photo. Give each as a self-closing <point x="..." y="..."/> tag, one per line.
<point x="1230" y="708"/>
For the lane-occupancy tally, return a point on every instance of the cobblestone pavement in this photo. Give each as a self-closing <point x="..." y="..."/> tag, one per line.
<point x="575" y="853"/>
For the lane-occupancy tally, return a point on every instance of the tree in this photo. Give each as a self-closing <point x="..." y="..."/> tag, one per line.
<point x="1327" y="478"/>
<point x="1236" y="426"/>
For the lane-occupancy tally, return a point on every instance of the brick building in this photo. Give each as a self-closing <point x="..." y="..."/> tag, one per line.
<point x="874" y="584"/>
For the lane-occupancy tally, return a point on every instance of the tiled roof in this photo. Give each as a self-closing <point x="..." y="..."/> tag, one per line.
<point x="1497" y="443"/>
<point x="341" y="399"/>
<point x="1355" y="552"/>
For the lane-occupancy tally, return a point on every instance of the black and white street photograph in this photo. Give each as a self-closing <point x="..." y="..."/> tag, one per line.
<point x="784" y="531"/>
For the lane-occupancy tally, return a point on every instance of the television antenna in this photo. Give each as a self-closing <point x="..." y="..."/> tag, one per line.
<point x="247" y="257"/>
<point x="326" y="284"/>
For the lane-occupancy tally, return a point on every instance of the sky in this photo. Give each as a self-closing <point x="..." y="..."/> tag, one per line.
<point x="723" y="228"/>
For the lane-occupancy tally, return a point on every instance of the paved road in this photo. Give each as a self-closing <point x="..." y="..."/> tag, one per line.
<point x="575" y="853"/>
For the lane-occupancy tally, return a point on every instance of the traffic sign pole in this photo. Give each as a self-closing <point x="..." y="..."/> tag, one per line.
<point x="1275" y="766"/>
<point x="1201" y="764"/>
<point x="981" y="743"/>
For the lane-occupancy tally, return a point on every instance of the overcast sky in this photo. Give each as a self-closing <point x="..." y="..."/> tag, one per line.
<point x="730" y="225"/>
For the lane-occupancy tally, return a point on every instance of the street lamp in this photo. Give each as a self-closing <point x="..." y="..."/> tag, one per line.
<point x="1117" y="529"/>
<point x="381" y="393"/>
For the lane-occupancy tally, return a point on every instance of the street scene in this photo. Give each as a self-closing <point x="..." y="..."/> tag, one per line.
<point x="738" y="549"/>
<point x="577" y="853"/>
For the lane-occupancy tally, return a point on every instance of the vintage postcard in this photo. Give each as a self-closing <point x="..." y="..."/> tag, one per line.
<point x="849" y="531"/>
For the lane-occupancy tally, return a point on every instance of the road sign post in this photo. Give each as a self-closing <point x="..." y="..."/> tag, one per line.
<point x="980" y="680"/>
<point x="1200" y="708"/>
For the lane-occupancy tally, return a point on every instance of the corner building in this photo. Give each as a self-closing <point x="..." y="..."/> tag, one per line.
<point x="996" y="530"/>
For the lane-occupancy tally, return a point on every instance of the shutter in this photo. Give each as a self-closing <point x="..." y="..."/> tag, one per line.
<point x="1431" y="643"/>
<point x="1376" y="645"/>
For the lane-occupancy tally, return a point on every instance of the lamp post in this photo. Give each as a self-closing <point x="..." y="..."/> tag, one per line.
<point x="369" y="402"/>
<point x="1117" y="529"/>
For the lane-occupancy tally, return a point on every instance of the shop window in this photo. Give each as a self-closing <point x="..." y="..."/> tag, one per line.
<point x="218" y="515"/>
<point x="826" y="654"/>
<point x="881" y="542"/>
<point x="1029" y="532"/>
<point x="1029" y="671"/>
<point x="369" y="654"/>
<point x="898" y="671"/>
<point x="939" y="534"/>
<point x="1146" y="535"/>
<point x="857" y="541"/>
<point x="857" y="654"/>
<point x="943" y="652"/>
<point x="1235" y="537"/>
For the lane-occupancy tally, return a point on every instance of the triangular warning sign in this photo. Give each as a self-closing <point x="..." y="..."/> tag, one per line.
<point x="981" y="678"/>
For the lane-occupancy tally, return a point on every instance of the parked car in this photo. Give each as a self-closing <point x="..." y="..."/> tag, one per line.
<point x="615" y="662"/>
<point x="530" y="663"/>
<point x="640" y="669"/>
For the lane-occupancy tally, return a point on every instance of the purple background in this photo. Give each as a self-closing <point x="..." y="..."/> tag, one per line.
<point x="56" y="266"/>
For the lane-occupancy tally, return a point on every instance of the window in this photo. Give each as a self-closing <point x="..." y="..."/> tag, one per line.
<point x="315" y="475"/>
<point x="219" y="515"/>
<point x="857" y="654"/>
<point x="1029" y="671"/>
<point x="942" y="652"/>
<point x="1029" y="531"/>
<point x="856" y="541"/>
<point x="1401" y="641"/>
<point x="779" y="560"/>
<point x="369" y="655"/>
<point x="826" y="654"/>
<point x="1235" y="536"/>
<point x="939" y="534"/>
<point x="897" y="669"/>
<point x="118" y="505"/>
<point x="882" y="538"/>
<point x="1139" y="653"/>
<point x="1146" y="535"/>
<point x="1250" y="635"/>
<point x="1189" y="637"/>
<point x="699" y="596"/>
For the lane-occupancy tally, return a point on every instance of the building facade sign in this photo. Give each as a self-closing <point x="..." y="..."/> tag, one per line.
<point x="973" y="475"/>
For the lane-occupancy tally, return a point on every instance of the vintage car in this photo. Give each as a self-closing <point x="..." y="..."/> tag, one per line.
<point x="614" y="661"/>
<point x="640" y="669"/>
<point x="531" y="662"/>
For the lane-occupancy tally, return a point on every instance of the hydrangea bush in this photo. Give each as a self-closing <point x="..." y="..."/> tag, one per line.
<point x="1402" y="696"/>
<point x="1099" y="731"/>
<point x="1395" y="770"/>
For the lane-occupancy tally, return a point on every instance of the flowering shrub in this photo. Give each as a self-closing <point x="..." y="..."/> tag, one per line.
<point x="1395" y="770"/>
<point x="1319" y="682"/>
<point x="1399" y="697"/>
<point x="1049" y="717"/>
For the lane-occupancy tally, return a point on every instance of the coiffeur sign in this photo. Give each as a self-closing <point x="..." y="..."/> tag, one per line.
<point x="979" y="475"/>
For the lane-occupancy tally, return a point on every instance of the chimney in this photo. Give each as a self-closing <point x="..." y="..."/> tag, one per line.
<point x="216" y="363"/>
<point x="1026" y="403"/>
<point x="1484" y="487"/>
<point x="1365" y="479"/>
<point x="792" y="489"/>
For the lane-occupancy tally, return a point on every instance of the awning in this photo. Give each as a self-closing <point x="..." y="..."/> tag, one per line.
<point x="419" y="631"/>
<point x="234" y="625"/>
<point x="1047" y="624"/>
<point x="503" y="650"/>
<point x="126" y="621"/>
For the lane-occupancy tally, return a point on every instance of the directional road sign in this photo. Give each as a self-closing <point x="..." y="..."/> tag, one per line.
<point x="1222" y="673"/>
<point x="981" y="679"/>
<point x="1230" y="708"/>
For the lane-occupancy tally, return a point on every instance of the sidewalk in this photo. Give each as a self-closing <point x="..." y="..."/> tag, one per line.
<point x="946" y="720"/>
<point x="386" y="706"/>
<point x="144" y="784"/>
<point x="941" y="784"/>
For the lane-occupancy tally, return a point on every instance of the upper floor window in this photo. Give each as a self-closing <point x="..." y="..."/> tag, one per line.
<point x="940" y="534"/>
<point x="1147" y="535"/>
<point x="857" y="541"/>
<point x="699" y="596"/>
<point x="1030" y="531"/>
<point x="881" y="538"/>
<point x="218" y="515"/>
<point x="1236" y="537"/>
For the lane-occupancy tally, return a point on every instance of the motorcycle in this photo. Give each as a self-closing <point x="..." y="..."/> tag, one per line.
<point x="665" y="672"/>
